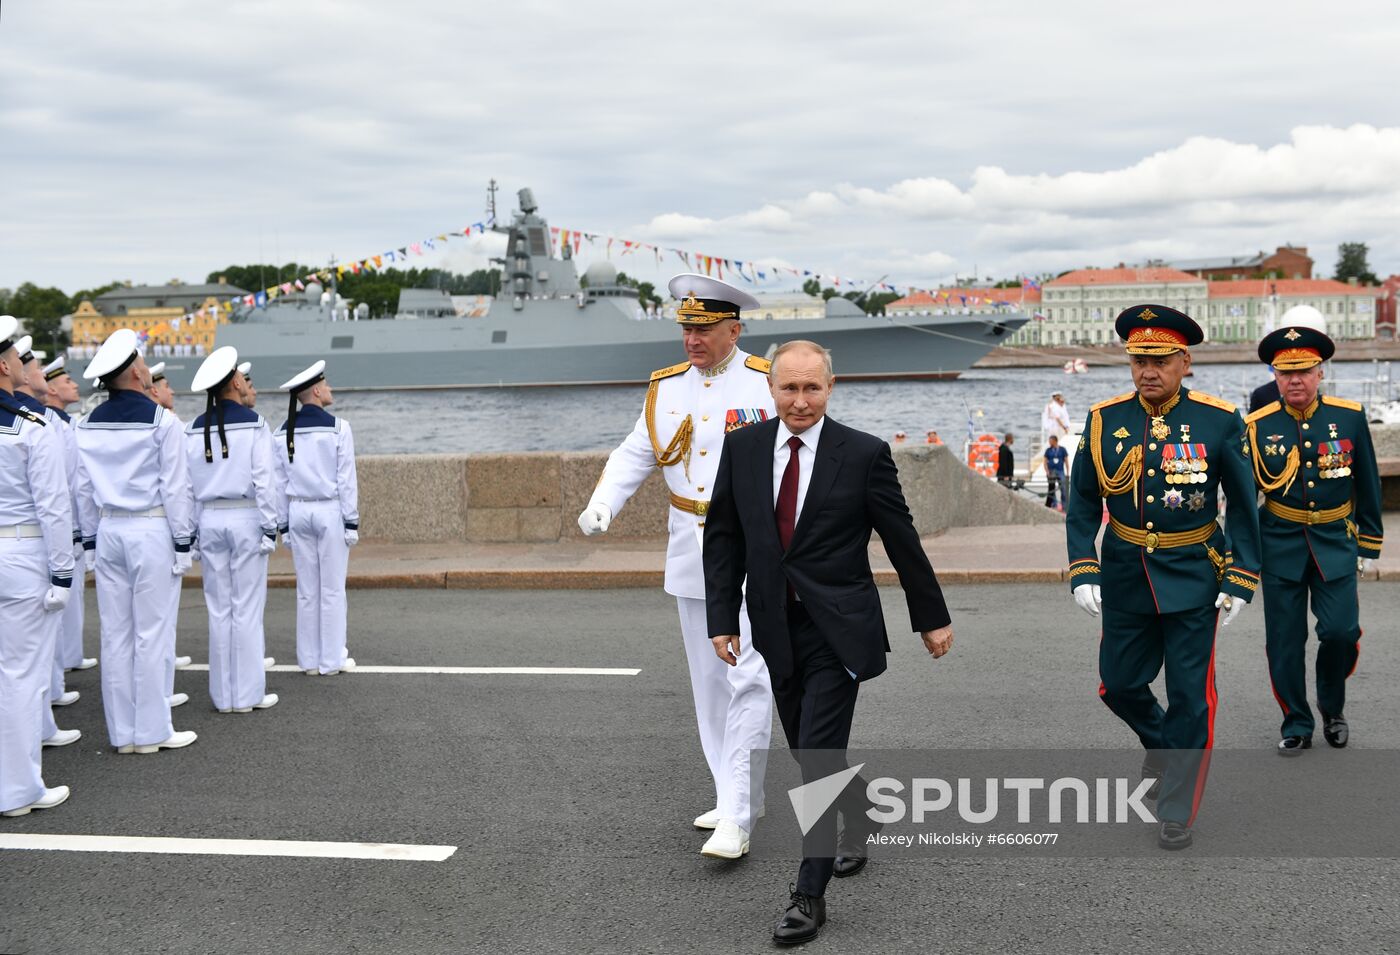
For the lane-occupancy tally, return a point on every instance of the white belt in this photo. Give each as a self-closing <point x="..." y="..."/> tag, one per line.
<point x="157" y="511"/>
<point x="310" y="500"/>
<point x="229" y="503"/>
<point x="21" y="530"/>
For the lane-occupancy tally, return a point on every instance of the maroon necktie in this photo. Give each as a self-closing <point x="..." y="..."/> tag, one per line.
<point x="786" y="511"/>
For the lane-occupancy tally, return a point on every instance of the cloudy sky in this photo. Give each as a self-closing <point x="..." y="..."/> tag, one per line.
<point x="153" y="139"/>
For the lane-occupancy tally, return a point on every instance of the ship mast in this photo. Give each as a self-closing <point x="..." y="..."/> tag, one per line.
<point x="491" y="203"/>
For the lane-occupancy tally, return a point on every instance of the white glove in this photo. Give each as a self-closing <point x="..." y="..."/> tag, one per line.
<point x="56" y="599"/>
<point x="195" y="554"/>
<point x="183" y="563"/>
<point x="287" y="539"/>
<point x="1089" y="597"/>
<point x="266" y="545"/>
<point x="1364" y="566"/>
<point x="594" y="520"/>
<point x="90" y="559"/>
<point x="1232" y="605"/>
<point x="352" y="538"/>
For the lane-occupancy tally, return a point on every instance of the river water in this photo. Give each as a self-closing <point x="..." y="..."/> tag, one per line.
<point x="594" y="418"/>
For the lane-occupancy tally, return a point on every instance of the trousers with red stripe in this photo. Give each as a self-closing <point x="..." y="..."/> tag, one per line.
<point x="1334" y="602"/>
<point x="1132" y="651"/>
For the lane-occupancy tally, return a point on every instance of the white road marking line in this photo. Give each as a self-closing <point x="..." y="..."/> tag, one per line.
<point x="228" y="847"/>
<point x="461" y="671"/>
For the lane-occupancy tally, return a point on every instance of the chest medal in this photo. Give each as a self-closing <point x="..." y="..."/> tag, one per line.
<point x="1184" y="463"/>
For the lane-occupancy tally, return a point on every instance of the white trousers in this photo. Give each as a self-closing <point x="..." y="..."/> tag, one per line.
<point x="27" y="637"/>
<point x="235" y="591"/>
<point x="734" y="709"/>
<point x="70" y="635"/>
<point x="316" y="533"/>
<point x="137" y="596"/>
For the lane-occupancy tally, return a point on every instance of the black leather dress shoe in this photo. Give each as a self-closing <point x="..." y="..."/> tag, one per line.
<point x="803" y="920"/>
<point x="846" y="866"/>
<point x="1334" y="730"/>
<point x="1173" y="835"/>
<point x="1294" y="745"/>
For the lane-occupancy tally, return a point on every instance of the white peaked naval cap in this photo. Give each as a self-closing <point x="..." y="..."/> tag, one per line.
<point x="115" y="354"/>
<point x="157" y="371"/>
<point x="1303" y="316"/>
<point x="54" y="368"/>
<point x="712" y="292"/>
<point x="246" y="368"/>
<point x="216" y="370"/>
<point x="23" y="346"/>
<point x="8" y="326"/>
<point x="300" y="381"/>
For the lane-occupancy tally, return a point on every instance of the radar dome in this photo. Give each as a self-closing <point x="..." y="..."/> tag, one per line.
<point x="600" y="274"/>
<point x="313" y="291"/>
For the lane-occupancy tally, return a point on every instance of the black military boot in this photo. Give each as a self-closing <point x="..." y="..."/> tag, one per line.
<point x="1335" y="730"/>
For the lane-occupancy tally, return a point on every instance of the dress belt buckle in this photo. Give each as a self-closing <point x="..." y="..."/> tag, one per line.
<point x="1312" y="517"/>
<point x="702" y="508"/>
<point x="1151" y="541"/>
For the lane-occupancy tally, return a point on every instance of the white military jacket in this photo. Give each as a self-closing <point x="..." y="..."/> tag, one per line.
<point x="681" y="429"/>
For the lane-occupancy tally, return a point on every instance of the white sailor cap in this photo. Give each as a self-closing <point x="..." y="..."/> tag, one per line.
<point x="8" y="326"/>
<point x="114" y="355"/>
<point x="306" y="378"/>
<point x="24" y="346"/>
<point x="246" y="369"/>
<point x="55" y="369"/>
<point x="217" y="369"/>
<point x="705" y="301"/>
<point x="158" y="372"/>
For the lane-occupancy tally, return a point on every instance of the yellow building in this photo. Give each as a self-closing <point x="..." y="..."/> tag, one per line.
<point x="176" y="318"/>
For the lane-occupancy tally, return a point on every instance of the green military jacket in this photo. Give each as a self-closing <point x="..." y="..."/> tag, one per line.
<point x="1160" y="471"/>
<point x="1322" y="490"/>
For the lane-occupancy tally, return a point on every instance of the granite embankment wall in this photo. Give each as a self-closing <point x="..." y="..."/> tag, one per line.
<point x="536" y="496"/>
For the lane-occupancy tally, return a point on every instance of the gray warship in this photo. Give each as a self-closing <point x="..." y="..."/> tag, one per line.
<point x="548" y="328"/>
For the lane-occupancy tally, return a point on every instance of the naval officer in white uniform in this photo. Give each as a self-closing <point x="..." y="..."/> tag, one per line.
<point x="228" y="450"/>
<point x="30" y="391"/>
<point x="689" y="408"/>
<point x="63" y="391"/>
<point x="134" y="500"/>
<point x="36" y="576"/>
<point x="318" y="513"/>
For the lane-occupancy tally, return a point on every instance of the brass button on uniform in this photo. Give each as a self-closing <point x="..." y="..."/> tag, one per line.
<point x="703" y="452"/>
<point x="1312" y="484"/>
<point x="1150" y="499"/>
<point x="700" y="489"/>
<point x="1312" y="504"/>
<point x="1307" y="444"/>
<point x="1149" y="525"/>
<point x="1151" y="472"/>
<point x="704" y="417"/>
<point x="1305" y="426"/>
<point x="1308" y="464"/>
<point x="1152" y="446"/>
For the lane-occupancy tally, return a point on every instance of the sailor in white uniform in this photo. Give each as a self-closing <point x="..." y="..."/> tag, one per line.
<point x="228" y="450"/>
<point x="36" y="576"/>
<point x="30" y="391"/>
<point x="134" y="500"/>
<point x="689" y="408"/>
<point x="250" y="398"/>
<point x="63" y="391"/>
<point x="162" y="394"/>
<point x="318" y="513"/>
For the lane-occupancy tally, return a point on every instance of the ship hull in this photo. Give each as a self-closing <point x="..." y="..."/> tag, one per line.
<point x="598" y="348"/>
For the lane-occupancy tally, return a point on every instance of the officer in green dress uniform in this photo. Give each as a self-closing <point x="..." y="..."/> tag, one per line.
<point x="1321" y="524"/>
<point x="1159" y="456"/>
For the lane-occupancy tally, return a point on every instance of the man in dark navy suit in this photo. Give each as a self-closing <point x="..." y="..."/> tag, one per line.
<point x="811" y="596"/>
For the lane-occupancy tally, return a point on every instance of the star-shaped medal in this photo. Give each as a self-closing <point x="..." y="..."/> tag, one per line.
<point x="1172" y="499"/>
<point x="1160" y="429"/>
<point x="1196" y="501"/>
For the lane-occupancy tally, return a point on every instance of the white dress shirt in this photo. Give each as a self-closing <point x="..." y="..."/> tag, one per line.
<point x="806" y="459"/>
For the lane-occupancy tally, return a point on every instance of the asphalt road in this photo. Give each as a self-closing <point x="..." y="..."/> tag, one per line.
<point x="570" y="798"/>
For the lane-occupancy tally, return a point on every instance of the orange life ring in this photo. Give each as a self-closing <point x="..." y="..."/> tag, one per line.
<point x="982" y="455"/>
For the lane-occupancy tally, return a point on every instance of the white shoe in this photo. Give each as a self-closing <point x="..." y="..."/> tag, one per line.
<point x="178" y="740"/>
<point x="312" y="672"/>
<point x="349" y="664"/>
<point x="64" y="737"/>
<point x="708" y="820"/>
<point x="727" y="842"/>
<point x="55" y="796"/>
<point x="67" y="699"/>
<point x="87" y="663"/>
<point x="266" y="703"/>
<point x="179" y="699"/>
<point x="269" y="662"/>
<point x="127" y="749"/>
<point x="182" y="662"/>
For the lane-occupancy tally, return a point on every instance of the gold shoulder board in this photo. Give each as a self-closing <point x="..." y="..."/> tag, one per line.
<point x="1115" y="400"/>
<point x="758" y="364"/>
<point x="1341" y="403"/>
<point x="1263" y="412"/>
<point x="668" y="372"/>
<point x="1211" y="400"/>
